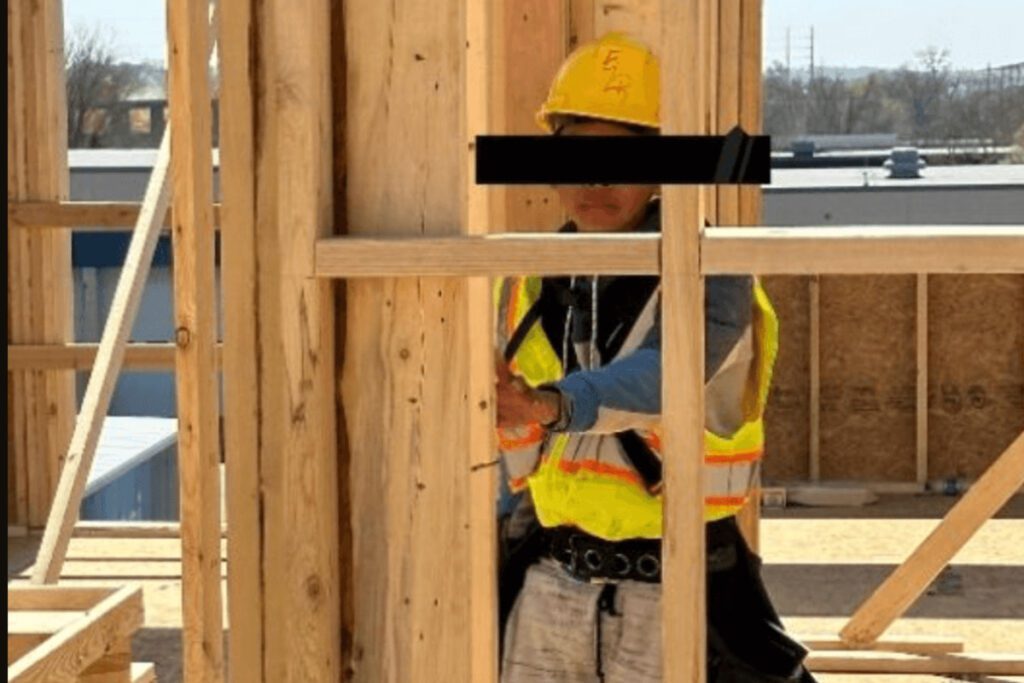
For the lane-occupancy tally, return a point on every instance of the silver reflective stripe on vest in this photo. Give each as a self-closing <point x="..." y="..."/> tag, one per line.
<point x="729" y="479"/>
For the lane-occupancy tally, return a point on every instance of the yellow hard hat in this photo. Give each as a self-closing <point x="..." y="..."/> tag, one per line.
<point x="615" y="78"/>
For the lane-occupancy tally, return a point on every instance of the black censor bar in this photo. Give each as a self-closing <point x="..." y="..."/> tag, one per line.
<point x="733" y="159"/>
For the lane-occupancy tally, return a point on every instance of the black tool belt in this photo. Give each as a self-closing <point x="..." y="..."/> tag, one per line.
<point x="588" y="558"/>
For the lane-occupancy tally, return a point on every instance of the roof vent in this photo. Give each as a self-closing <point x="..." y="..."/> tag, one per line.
<point x="802" y="149"/>
<point x="904" y="162"/>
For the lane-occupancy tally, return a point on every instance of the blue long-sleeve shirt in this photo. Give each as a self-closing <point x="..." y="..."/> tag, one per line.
<point x="631" y="384"/>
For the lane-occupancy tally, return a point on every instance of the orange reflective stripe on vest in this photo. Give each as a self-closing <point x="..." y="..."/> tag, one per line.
<point x="604" y="499"/>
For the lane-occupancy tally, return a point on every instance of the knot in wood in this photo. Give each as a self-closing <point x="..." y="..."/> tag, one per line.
<point x="182" y="337"/>
<point x="314" y="587"/>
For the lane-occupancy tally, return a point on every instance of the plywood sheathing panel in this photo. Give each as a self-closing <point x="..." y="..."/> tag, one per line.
<point x="868" y="381"/>
<point x="787" y="417"/>
<point x="404" y="379"/>
<point x="976" y="381"/>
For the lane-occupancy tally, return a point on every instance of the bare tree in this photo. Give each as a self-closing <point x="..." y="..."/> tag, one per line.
<point x="923" y="90"/>
<point x="95" y="80"/>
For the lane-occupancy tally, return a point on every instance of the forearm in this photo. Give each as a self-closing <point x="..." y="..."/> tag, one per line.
<point x="626" y="394"/>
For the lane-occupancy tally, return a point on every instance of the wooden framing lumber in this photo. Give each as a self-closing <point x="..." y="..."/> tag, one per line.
<point x="683" y="98"/>
<point x="195" y="336"/>
<point x="406" y="385"/>
<point x="241" y="372"/>
<point x="103" y="379"/>
<point x="891" y="249"/>
<point x="104" y="626"/>
<point x="918" y="645"/>
<point x="53" y="598"/>
<point x="296" y="381"/>
<point x="892" y="598"/>
<point x="92" y="216"/>
<point x="484" y="22"/>
<point x="921" y="389"/>
<point x="759" y="250"/>
<point x="492" y="255"/>
<point x="814" y="368"/>
<point x="876" y="662"/>
<point x="130" y="530"/>
<point x="82" y="356"/>
<point x="41" y="404"/>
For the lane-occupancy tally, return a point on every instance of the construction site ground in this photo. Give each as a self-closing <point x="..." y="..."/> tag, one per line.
<point x="819" y="564"/>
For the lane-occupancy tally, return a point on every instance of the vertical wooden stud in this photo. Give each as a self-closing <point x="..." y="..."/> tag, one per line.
<point x="240" y="367"/>
<point x="921" y="396"/>
<point x="39" y="262"/>
<point x="195" y="335"/>
<point x="482" y="112"/>
<point x="814" y="359"/>
<point x="683" y="93"/>
<point x="296" y="353"/>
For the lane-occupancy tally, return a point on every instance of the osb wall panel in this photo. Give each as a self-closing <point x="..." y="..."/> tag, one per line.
<point x="786" y="420"/>
<point x="976" y="379"/>
<point x="868" y="377"/>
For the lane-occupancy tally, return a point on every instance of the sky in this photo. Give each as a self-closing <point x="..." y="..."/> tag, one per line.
<point x="879" y="33"/>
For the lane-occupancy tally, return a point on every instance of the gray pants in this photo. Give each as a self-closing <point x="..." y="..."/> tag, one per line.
<point x="559" y="632"/>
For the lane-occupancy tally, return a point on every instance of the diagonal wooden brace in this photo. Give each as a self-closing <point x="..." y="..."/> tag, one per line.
<point x="906" y="584"/>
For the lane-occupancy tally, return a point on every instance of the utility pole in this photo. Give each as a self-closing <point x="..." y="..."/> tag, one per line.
<point x="787" y="51"/>
<point x="812" y="54"/>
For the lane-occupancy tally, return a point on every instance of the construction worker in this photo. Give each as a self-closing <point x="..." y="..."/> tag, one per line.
<point x="579" y="394"/>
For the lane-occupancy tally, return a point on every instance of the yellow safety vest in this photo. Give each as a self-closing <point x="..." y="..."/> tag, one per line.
<point x="609" y="501"/>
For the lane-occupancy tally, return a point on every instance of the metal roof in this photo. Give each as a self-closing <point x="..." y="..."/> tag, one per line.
<point x="974" y="176"/>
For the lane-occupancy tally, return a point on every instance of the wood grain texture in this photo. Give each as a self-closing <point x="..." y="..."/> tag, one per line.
<point x="638" y="18"/>
<point x="82" y="356"/>
<point x="96" y="216"/>
<point x="976" y="378"/>
<point x="484" y="112"/>
<point x="197" y="392"/>
<point x="241" y="369"/>
<point x="921" y="370"/>
<point x="42" y="416"/>
<point x="918" y="645"/>
<point x="297" y="437"/>
<point x="479" y="255"/>
<point x="71" y="650"/>
<point x="684" y="99"/>
<point x="910" y="580"/>
<point x="814" y="377"/>
<point x="534" y="43"/>
<point x="405" y="383"/>
<point x="724" y="250"/>
<point x="103" y="379"/>
<point x="865" y="249"/>
<point x="992" y="664"/>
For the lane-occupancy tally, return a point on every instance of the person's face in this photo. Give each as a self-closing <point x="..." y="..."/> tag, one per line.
<point x="604" y="208"/>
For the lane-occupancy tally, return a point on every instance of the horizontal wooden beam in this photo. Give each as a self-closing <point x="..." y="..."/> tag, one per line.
<point x="864" y="250"/>
<point x="52" y="598"/>
<point x="82" y="356"/>
<point x="114" y="529"/>
<point x="875" y="662"/>
<point x="75" y="647"/>
<point x="759" y="250"/>
<point x="116" y="216"/>
<point x="493" y="255"/>
<point x="919" y="645"/>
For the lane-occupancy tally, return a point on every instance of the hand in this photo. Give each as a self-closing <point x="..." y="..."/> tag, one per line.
<point x="518" y="403"/>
